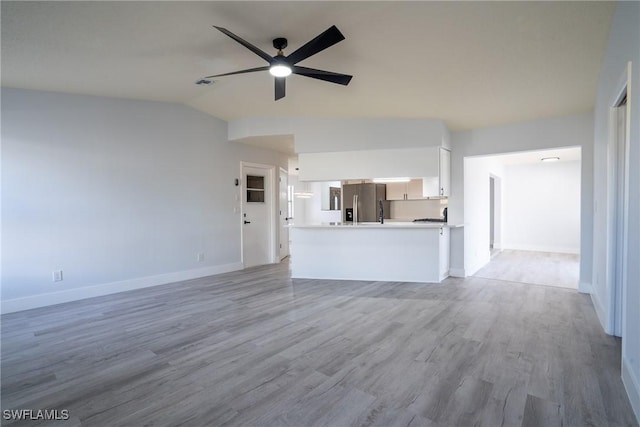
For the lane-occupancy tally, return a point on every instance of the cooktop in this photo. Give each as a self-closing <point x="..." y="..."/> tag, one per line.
<point x="429" y="220"/>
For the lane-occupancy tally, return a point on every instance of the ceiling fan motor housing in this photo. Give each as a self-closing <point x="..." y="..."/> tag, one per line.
<point x="280" y="43"/>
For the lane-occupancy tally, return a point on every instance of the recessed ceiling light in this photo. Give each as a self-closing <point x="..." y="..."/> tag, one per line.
<point x="550" y="159"/>
<point x="204" y="82"/>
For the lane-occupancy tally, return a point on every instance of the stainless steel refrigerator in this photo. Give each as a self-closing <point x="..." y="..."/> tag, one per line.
<point x="367" y="196"/>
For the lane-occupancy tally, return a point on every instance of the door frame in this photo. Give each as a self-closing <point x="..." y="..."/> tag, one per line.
<point x="271" y="200"/>
<point x="496" y="181"/>
<point x="616" y="263"/>
<point x="282" y="207"/>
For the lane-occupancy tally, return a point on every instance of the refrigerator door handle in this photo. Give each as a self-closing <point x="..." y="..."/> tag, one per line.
<point x="355" y="208"/>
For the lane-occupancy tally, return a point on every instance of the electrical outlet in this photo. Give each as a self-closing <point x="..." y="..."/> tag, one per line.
<point x="200" y="257"/>
<point x="57" y="275"/>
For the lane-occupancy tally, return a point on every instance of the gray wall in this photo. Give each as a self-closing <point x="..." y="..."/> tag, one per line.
<point x="113" y="190"/>
<point x="624" y="46"/>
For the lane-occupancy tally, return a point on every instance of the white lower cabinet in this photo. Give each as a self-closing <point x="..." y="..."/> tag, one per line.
<point x="444" y="246"/>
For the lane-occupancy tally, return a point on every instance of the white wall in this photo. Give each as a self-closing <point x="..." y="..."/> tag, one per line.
<point x="477" y="171"/>
<point x="624" y="46"/>
<point x="541" y="207"/>
<point x="116" y="193"/>
<point x="567" y="131"/>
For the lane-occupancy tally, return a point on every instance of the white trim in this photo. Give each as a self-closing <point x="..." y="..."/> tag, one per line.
<point x="616" y="297"/>
<point x="279" y="209"/>
<point x="457" y="272"/>
<point x="601" y="312"/>
<point x="53" y="298"/>
<point x="632" y="386"/>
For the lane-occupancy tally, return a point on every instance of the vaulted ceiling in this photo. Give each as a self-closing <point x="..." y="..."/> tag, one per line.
<point x="472" y="64"/>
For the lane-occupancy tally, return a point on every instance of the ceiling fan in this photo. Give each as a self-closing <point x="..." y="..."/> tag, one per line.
<point x="281" y="66"/>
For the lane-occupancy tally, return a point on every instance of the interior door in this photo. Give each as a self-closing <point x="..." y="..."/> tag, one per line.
<point x="284" y="214"/>
<point x="256" y="216"/>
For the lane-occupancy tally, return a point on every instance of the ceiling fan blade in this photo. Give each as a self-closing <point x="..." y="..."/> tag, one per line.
<point x="262" y="54"/>
<point x="328" y="76"/>
<point x="249" y="70"/>
<point x="280" y="84"/>
<point x="320" y="43"/>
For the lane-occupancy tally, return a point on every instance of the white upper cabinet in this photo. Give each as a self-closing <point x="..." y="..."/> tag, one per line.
<point x="445" y="172"/>
<point x="438" y="185"/>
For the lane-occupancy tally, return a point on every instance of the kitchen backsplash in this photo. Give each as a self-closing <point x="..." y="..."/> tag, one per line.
<point x="412" y="209"/>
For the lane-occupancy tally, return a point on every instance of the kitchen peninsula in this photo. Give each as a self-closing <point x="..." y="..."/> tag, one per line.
<point x="393" y="251"/>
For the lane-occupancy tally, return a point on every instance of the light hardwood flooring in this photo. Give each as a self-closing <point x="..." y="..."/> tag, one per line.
<point x="255" y="348"/>
<point x="539" y="268"/>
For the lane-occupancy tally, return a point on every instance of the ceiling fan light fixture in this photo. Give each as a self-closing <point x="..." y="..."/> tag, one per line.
<point x="280" y="70"/>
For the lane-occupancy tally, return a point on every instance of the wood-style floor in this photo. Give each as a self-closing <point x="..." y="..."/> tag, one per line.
<point x="540" y="268"/>
<point x="255" y="348"/>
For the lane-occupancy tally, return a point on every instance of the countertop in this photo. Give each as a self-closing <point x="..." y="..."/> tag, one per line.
<point x="368" y="225"/>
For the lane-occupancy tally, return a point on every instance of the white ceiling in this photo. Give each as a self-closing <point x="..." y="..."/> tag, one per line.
<point x="565" y="154"/>
<point x="472" y="64"/>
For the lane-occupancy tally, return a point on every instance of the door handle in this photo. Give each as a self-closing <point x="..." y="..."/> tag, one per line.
<point x="247" y="222"/>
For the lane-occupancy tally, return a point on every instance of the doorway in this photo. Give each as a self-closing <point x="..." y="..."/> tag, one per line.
<point x="530" y="225"/>
<point x="618" y="205"/>
<point x="495" y="214"/>
<point x="258" y="231"/>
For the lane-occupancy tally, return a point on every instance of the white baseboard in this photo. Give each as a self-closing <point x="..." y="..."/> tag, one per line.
<point x="43" y="300"/>
<point x="602" y="313"/>
<point x="457" y="272"/>
<point x="470" y="271"/>
<point x="632" y="385"/>
<point x="585" y="288"/>
<point x="535" y="248"/>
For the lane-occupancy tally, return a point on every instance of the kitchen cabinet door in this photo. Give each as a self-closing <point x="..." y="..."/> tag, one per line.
<point x="439" y="184"/>
<point x="445" y="172"/>
<point x="414" y="189"/>
<point x="444" y="252"/>
<point x="396" y="190"/>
